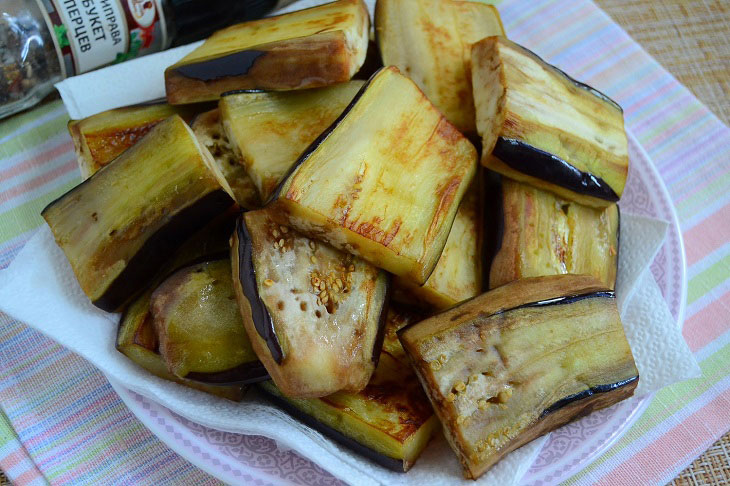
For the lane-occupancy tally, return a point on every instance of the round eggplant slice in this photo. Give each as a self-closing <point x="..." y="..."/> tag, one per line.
<point x="315" y="314"/>
<point x="201" y="335"/>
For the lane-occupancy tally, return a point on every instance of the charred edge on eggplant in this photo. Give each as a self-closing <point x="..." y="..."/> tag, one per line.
<point x="585" y="394"/>
<point x="163" y="242"/>
<point x="235" y="64"/>
<point x="532" y="161"/>
<point x="381" y="459"/>
<point x="578" y="84"/>
<point x="382" y="321"/>
<point x="242" y="374"/>
<point x="247" y="275"/>
<point x="320" y="139"/>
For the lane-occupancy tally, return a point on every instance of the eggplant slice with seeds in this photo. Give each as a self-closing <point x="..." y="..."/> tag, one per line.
<point x="545" y="235"/>
<point x="458" y="273"/>
<point x="199" y="327"/>
<point x="519" y="361"/>
<point x="389" y="422"/>
<point x="540" y="126"/>
<point x="208" y="128"/>
<point x="269" y="130"/>
<point x="314" y="314"/>
<point x="430" y="41"/>
<point x="118" y="227"/>
<point x="384" y="181"/>
<point x="308" y="48"/>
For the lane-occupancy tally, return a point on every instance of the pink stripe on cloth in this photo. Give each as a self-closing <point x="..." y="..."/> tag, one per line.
<point x="18" y="466"/>
<point x="37" y="161"/>
<point x="707" y="236"/>
<point x="708" y="324"/>
<point x="37" y="182"/>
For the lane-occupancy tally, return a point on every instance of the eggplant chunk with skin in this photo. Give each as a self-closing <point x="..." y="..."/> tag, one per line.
<point x="269" y="130"/>
<point x="208" y="128"/>
<point x="308" y="48"/>
<point x="545" y="235"/>
<point x="100" y="138"/>
<point x="118" y="227"/>
<point x="389" y="422"/>
<point x="199" y="327"/>
<point x="458" y="273"/>
<point x="384" y="181"/>
<point x="542" y="127"/>
<point x="137" y="340"/>
<point x="314" y="314"/>
<point x="519" y="361"/>
<point x="430" y="41"/>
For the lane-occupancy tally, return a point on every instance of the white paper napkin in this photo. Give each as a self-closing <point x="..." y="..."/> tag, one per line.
<point x="40" y="289"/>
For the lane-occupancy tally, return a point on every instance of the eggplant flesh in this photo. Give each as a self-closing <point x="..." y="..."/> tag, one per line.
<point x="269" y="130"/>
<point x="458" y="273"/>
<point x="520" y="361"/>
<point x="308" y="48"/>
<point x="100" y="138"/>
<point x="540" y="126"/>
<point x="383" y="182"/>
<point x="207" y="127"/>
<point x="545" y="235"/>
<point x="314" y="314"/>
<point x="137" y="340"/>
<point x="430" y="41"/>
<point x="199" y="327"/>
<point x="118" y="227"/>
<point x="389" y="422"/>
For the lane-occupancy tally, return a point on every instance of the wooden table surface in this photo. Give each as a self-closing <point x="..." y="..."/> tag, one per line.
<point x="691" y="39"/>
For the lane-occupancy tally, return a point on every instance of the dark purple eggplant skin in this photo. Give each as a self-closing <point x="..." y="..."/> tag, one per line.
<point x="243" y="374"/>
<point x="532" y="161"/>
<point x="585" y="394"/>
<point x="382" y="321"/>
<point x="378" y="458"/>
<point x="247" y="276"/>
<point x="235" y="64"/>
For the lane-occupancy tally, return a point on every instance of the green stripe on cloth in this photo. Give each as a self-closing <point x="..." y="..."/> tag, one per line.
<point x="7" y="433"/>
<point x="15" y="122"/>
<point x="708" y="279"/>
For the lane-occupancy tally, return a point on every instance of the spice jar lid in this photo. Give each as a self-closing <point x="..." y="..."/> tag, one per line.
<point x="197" y="19"/>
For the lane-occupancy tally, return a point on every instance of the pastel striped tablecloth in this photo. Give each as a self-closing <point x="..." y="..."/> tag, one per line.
<point x="63" y="424"/>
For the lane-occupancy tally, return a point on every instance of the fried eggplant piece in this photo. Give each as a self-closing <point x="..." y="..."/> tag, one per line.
<point x="269" y="130"/>
<point x="458" y="273"/>
<point x="540" y="126"/>
<point x="545" y="235"/>
<point x="519" y="361"/>
<point x="389" y="422"/>
<point x="100" y="138"/>
<point x="314" y="314"/>
<point x="430" y="41"/>
<point x="207" y="127"/>
<point x="118" y="227"/>
<point x="199" y="327"/>
<point x="384" y="181"/>
<point x="309" y="48"/>
<point x="137" y="340"/>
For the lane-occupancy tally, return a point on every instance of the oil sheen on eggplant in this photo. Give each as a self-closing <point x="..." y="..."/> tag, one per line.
<point x="384" y="181"/>
<point x="540" y="126"/>
<point x="118" y="227"/>
<point x="315" y="314"/>
<point x="199" y="327"/>
<point x="545" y="235"/>
<point x="519" y="361"/>
<point x="308" y="48"/>
<point x="430" y="41"/>
<point x="207" y="127"/>
<point x="389" y="422"/>
<point x="269" y="130"/>
<point x="458" y="273"/>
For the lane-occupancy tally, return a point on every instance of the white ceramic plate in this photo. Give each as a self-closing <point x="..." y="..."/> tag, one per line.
<point x="242" y="459"/>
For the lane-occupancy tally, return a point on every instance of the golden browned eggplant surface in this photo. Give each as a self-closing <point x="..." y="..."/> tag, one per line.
<point x="309" y="48"/>
<point x="545" y="235"/>
<point x="313" y="313"/>
<point x="270" y="130"/>
<point x="519" y="361"/>
<point x="430" y="41"/>
<point x="540" y="126"/>
<point x="390" y="420"/>
<point x="384" y="181"/>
